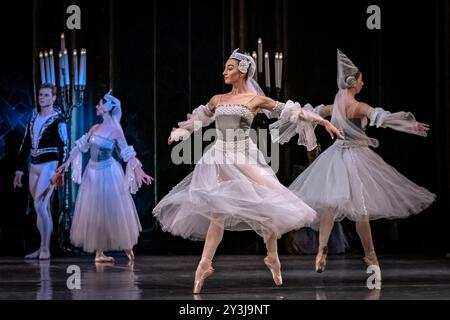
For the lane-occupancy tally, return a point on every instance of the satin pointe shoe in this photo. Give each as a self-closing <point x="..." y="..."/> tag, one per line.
<point x="204" y="270"/>
<point x="321" y="259"/>
<point x="273" y="263"/>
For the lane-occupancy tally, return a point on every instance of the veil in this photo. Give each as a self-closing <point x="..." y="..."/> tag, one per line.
<point x="345" y="79"/>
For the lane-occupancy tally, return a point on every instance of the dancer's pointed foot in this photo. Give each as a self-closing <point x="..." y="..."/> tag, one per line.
<point x="101" y="258"/>
<point x="204" y="270"/>
<point x="130" y="255"/>
<point x="33" y="255"/>
<point x="321" y="259"/>
<point x="371" y="259"/>
<point x="273" y="263"/>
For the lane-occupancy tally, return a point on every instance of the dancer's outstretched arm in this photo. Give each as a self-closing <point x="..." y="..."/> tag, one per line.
<point x="400" y="121"/>
<point x="293" y="119"/>
<point x="75" y="156"/>
<point x="202" y="116"/>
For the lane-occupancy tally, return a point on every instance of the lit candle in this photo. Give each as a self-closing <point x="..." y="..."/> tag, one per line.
<point x="63" y="42"/>
<point x="255" y="58"/>
<point x="48" y="76"/>
<point x="267" y="69"/>
<point x="276" y="70"/>
<point x="52" y="67"/>
<point x="66" y="68"/>
<point x="280" y="63"/>
<point x="260" y="54"/>
<point x="83" y="67"/>
<point x="61" y="70"/>
<point x="75" y="67"/>
<point x="42" y="65"/>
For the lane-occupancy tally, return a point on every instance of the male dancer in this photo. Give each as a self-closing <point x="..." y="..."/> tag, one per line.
<point x="46" y="140"/>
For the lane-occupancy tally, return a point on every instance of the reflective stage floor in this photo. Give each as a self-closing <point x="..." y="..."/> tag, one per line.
<point x="236" y="277"/>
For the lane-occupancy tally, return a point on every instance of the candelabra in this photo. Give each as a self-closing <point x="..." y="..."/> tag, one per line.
<point x="263" y="75"/>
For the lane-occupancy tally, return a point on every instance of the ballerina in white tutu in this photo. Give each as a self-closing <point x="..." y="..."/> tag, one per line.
<point x="232" y="187"/>
<point x="105" y="216"/>
<point x="351" y="181"/>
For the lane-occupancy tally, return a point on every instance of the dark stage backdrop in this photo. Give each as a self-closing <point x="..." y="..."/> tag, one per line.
<point x="165" y="58"/>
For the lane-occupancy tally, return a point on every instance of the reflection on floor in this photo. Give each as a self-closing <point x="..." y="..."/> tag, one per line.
<point x="236" y="277"/>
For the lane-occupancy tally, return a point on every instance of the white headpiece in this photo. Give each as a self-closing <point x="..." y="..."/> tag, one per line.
<point x="346" y="78"/>
<point x="247" y="66"/>
<point x="246" y="63"/>
<point x="113" y="106"/>
<point x="346" y="71"/>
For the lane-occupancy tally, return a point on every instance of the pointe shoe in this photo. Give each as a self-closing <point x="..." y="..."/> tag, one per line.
<point x="130" y="255"/>
<point x="204" y="270"/>
<point x="273" y="263"/>
<point x="371" y="259"/>
<point x="104" y="259"/>
<point x="321" y="260"/>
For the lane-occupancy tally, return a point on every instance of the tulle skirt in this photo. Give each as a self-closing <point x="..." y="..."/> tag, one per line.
<point x="232" y="186"/>
<point x="356" y="183"/>
<point x="105" y="216"/>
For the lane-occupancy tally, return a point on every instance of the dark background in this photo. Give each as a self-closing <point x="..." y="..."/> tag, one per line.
<point x="164" y="58"/>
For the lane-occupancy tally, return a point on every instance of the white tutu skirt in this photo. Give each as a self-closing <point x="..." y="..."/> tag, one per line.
<point x="229" y="187"/>
<point x="357" y="184"/>
<point x="105" y="217"/>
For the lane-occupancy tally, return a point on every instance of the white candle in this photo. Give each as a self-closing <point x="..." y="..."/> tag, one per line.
<point x="63" y="42"/>
<point x="267" y="69"/>
<point x="83" y="67"/>
<point x="52" y="67"/>
<point x="75" y="67"/>
<point x="280" y="63"/>
<point x="255" y="58"/>
<point x="48" y="76"/>
<point x="42" y="65"/>
<point x="260" y="55"/>
<point x="61" y="70"/>
<point x="66" y="68"/>
<point x="276" y="70"/>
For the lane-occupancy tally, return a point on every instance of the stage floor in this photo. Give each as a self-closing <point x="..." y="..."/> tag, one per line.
<point x="236" y="277"/>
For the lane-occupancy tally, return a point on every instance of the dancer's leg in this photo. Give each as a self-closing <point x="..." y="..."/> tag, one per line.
<point x="326" y="226"/>
<point x="41" y="191"/>
<point x="272" y="261"/>
<point x="212" y="241"/>
<point x="365" y="235"/>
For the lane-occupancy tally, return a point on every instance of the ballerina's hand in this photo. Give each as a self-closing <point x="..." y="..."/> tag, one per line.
<point x="62" y="168"/>
<point x="423" y="127"/>
<point x="147" y="179"/>
<point x="57" y="179"/>
<point x="332" y="130"/>
<point x="141" y="176"/>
